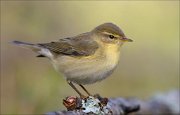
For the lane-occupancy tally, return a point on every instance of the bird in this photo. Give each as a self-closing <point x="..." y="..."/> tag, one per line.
<point x="86" y="58"/>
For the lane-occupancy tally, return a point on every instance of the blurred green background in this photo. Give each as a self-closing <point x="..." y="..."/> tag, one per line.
<point x="148" y="65"/>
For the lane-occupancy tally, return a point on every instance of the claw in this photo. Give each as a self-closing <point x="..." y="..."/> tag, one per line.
<point x="83" y="97"/>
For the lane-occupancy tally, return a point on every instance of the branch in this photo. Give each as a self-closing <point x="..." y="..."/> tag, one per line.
<point x="118" y="106"/>
<point x="167" y="103"/>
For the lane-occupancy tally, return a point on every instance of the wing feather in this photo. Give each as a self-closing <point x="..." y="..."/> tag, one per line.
<point x="80" y="45"/>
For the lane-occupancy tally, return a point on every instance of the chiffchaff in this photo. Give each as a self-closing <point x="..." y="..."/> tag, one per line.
<point x="85" y="58"/>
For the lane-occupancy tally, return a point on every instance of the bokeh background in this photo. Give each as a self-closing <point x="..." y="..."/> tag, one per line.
<point x="148" y="65"/>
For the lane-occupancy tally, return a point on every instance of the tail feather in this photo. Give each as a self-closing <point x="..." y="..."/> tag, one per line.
<point x="36" y="48"/>
<point x="21" y="43"/>
<point x="33" y="47"/>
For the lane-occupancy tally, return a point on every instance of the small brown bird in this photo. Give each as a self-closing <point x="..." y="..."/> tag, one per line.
<point x="86" y="58"/>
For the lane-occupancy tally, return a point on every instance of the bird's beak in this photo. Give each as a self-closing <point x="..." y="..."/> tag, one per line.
<point x="126" y="39"/>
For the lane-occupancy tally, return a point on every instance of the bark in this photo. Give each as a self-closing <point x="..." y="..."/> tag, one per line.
<point x="167" y="103"/>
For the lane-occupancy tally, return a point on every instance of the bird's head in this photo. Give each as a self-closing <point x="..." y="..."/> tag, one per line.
<point x="109" y="33"/>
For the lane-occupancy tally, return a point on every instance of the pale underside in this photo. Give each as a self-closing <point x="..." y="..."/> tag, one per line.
<point x="88" y="69"/>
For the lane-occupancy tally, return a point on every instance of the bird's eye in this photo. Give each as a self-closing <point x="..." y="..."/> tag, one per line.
<point x="111" y="36"/>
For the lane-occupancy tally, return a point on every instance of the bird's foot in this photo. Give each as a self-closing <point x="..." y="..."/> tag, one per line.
<point x="83" y="97"/>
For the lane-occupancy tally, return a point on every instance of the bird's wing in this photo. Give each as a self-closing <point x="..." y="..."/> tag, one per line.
<point x="76" y="46"/>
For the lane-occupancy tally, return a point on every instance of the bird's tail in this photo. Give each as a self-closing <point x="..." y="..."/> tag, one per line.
<point x="33" y="47"/>
<point x="43" y="52"/>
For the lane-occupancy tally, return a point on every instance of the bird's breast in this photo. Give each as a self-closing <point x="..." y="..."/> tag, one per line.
<point x="89" y="69"/>
<point x="112" y="53"/>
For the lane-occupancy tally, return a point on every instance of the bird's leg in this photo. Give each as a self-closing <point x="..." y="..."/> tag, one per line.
<point x="84" y="89"/>
<point x="72" y="85"/>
